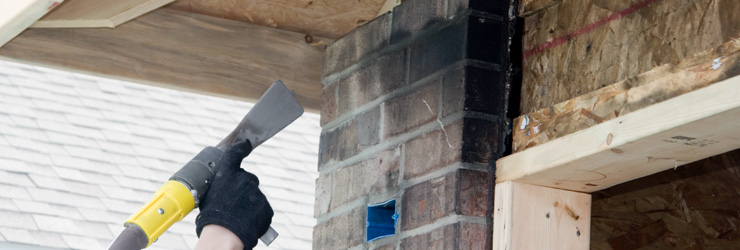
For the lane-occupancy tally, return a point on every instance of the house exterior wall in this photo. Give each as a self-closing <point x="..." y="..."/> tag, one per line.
<point x="414" y="109"/>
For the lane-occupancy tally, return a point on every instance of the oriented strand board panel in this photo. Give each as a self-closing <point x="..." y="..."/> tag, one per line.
<point x="684" y="129"/>
<point x="16" y="16"/>
<point x="97" y="13"/>
<point x="575" y="47"/>
<point x="183" y="50"/>
<point x="693" y="207"/>
<point x="324" y="18"/>
<point x="610" y="102"/>
<point x="531" y="217"/>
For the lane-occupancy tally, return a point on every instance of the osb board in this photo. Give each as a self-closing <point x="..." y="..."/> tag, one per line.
<point x="696" y="206"/>
<point x="621" y="98"/>
<point x="529" y="7"/>
<point x="97" y="13"/>
<point x="574" y="47"/>
<point x="326" y="18"/>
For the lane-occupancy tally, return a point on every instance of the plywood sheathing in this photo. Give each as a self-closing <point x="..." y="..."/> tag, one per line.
<point x="574" y="47"/>
<point x="693" y="207"/>
<point x="326" y="18"/>
<point x="657" y="85"/>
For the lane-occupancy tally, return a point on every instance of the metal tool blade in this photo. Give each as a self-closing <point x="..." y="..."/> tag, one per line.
<point x="275" y="110"/>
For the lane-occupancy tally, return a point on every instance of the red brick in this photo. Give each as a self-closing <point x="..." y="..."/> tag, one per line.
<point x="482" y="140"/>
<point x="464" y="192"/>
<point x="355" y="45"/>
<point x="428" y="201"/>
<point x="473" y="193"/>
<point x="373" y="176"/>
<point x="431" y="151"/>
<point x="382" y="76"/>
<point x="350" y="138"/>
<point x="405" y="113"/>
<point x="461" y="235"/>
<point x="341" y="232"/>
<point x="323" y="194"/>
<point x="329" y="110"/>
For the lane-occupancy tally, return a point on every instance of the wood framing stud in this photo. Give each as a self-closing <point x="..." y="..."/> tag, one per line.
<point x="666" y="135"/>
<point x="531" y="217"/>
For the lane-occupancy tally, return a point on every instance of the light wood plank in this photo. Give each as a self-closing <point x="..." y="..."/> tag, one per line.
<point x="532" y="217"/>
<point x="97" y="13"/>
<point x="666" y="135"/>
<point x="16" y="16"/>
<point x="183" y="50"/>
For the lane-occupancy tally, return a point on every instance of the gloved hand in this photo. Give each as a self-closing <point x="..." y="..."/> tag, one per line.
<point x="234" y="200"/>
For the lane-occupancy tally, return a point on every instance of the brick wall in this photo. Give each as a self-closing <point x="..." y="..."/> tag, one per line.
<point x="414" y="109"/>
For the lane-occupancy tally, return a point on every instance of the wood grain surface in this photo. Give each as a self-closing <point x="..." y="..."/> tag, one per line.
<point x="183" y="50"/>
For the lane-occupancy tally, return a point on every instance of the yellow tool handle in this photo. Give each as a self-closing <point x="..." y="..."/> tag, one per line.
<point x="170" y="204"/>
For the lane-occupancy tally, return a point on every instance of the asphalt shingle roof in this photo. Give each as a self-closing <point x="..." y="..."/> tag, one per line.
<point x="79" y="154"/>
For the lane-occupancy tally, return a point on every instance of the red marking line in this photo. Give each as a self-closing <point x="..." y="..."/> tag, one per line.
<point x="585" y="29"/>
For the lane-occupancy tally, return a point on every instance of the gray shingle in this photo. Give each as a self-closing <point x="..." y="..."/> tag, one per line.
<point x="69" y="174"/>
<point x="36" y="207"/>
<point x="63" y="198"/>
<point x="55" y="224"/>
<point x="15" y="179"/>
<point x="136" y="184"/>
<point x="9" y="191"/>
<point x="7" y="204"/>
<point x="120" y="206"/>
<point x="104" y="216"/>
<point x="84" y="188"/>
<point x="18" y="235"/>
<point x="80" y="242"/>
<point x="17" y="220"/>
<point x="48" y="182"/>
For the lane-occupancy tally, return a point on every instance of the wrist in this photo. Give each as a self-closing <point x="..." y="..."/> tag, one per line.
<point x="217" y="237"/>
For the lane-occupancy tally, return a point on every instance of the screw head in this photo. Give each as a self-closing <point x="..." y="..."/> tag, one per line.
<point x="211" y="164"/>
<point x="160" y="211"/>
<point x="206" y="182"/>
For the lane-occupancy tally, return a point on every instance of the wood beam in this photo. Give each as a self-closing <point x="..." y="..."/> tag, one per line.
<point x="97" y="13"/>
<point x="531" y="217"/>
<point x="183" y="50"/>
<point x="666" y="135"/>
<point x="16" y="16"/>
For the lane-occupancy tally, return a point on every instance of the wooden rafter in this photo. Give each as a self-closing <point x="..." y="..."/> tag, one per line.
<point x="183" y="50"/>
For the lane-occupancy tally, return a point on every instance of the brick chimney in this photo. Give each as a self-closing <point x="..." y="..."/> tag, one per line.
<point x="414" y="110"/>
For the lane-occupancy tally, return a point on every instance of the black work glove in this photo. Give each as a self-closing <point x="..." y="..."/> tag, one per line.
<point x="234" y="201"/>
